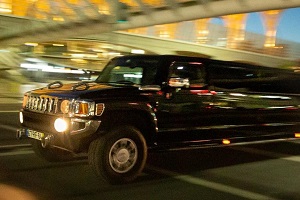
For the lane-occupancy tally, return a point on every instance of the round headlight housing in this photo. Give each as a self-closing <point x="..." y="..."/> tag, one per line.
<point x="60" y="125"/>
<point x="64" y="106"/>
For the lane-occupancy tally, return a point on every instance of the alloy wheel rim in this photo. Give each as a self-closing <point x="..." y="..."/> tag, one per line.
<point x="123" y="155"/>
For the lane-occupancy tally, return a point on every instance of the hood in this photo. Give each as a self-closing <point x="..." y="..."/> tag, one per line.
<point x="82" y="90"/>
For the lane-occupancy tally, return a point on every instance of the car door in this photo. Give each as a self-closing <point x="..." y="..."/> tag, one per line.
<point x="184" y="104"/>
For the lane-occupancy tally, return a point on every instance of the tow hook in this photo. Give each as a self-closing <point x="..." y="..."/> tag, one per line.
<point x="20" y="134"/>
<point x="46" y="142"/>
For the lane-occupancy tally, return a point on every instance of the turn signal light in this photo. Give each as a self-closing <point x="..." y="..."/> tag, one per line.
<point x="83" y="108"/>
<point x="21" y="117"/>
<point x="297" y="135"/>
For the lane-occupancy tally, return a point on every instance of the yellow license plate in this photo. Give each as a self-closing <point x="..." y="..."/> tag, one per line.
<point x="35" y="134"/>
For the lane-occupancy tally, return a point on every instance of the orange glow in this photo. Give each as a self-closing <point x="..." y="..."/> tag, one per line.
<point x="297" y="135"/>
<point x="225" y="141"/>
<point x="83" y="108"/>
<point x="25" y="99"/>
<point x="100" y="108"/>
<point x="12" y="192"/>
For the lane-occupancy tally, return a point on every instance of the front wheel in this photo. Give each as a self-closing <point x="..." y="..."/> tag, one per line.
<point x="119" y="156"/>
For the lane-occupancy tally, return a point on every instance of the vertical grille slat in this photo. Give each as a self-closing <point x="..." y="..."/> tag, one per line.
<point x="42" y="104"/>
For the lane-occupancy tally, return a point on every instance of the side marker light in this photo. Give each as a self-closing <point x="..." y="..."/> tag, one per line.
<point x="225" y="141"/>
<point x="21" y="117"/>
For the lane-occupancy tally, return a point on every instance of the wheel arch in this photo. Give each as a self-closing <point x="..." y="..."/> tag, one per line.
<point x="144" y="121"/>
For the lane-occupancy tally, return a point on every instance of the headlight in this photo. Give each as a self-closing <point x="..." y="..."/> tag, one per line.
<point x="82" y="108"/>
<point x="64" y="106"/>
<point x="60" y="125"/>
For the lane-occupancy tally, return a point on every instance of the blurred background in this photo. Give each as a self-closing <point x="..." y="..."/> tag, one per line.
<point x="42" y="41"/>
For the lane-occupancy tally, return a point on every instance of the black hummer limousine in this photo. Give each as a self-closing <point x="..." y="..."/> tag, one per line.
<point x="159" y="102"/>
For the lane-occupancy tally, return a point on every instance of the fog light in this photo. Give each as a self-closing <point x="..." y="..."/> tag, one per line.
<point x="21" y="117"/>
<point x="60" y="125"/>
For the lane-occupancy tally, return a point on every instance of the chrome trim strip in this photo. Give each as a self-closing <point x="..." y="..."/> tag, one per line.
<point x="42" y="104"/>
<point x="219" y="145"/>
<point x="219" y="127"/>
<point x="90" y="126"/>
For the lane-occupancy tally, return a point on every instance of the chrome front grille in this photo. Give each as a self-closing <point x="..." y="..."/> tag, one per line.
<point x="42" y="104"/>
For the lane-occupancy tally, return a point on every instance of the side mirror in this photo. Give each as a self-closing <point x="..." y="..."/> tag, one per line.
<point x="179" y="82"/>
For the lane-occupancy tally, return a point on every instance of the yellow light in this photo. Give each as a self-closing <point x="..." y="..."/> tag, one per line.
<point x="21" y="117"/>
<point x="5" y="10"/>
<point x="137" y="51"/>
<point x="25" y="99"/>
<point x="60" y="125"/>
<point x="225" y="141"/>
<point x="83" y="108"/>
<point x="297" y="135"/>
<point x="31" y="44"/>
<point x="57" y="18"/>
<point x="64" y="106"/>
<point x="58" y="45"/>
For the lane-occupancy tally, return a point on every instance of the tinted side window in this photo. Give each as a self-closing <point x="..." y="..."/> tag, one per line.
<point x="194" y="71"/>
<point x="233" y="77"/>
<point x="231" y="72"/>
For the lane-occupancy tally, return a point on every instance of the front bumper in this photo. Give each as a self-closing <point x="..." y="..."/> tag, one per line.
<point x="74" y="139"/>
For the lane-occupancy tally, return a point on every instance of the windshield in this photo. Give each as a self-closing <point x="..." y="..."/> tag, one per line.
<point x="129" y="71"/>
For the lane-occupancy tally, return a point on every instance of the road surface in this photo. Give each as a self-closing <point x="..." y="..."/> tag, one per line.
<point x="260" y="171"/>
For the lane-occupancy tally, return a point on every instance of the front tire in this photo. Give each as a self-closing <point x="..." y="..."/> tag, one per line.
<point x="119" y="156"/>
